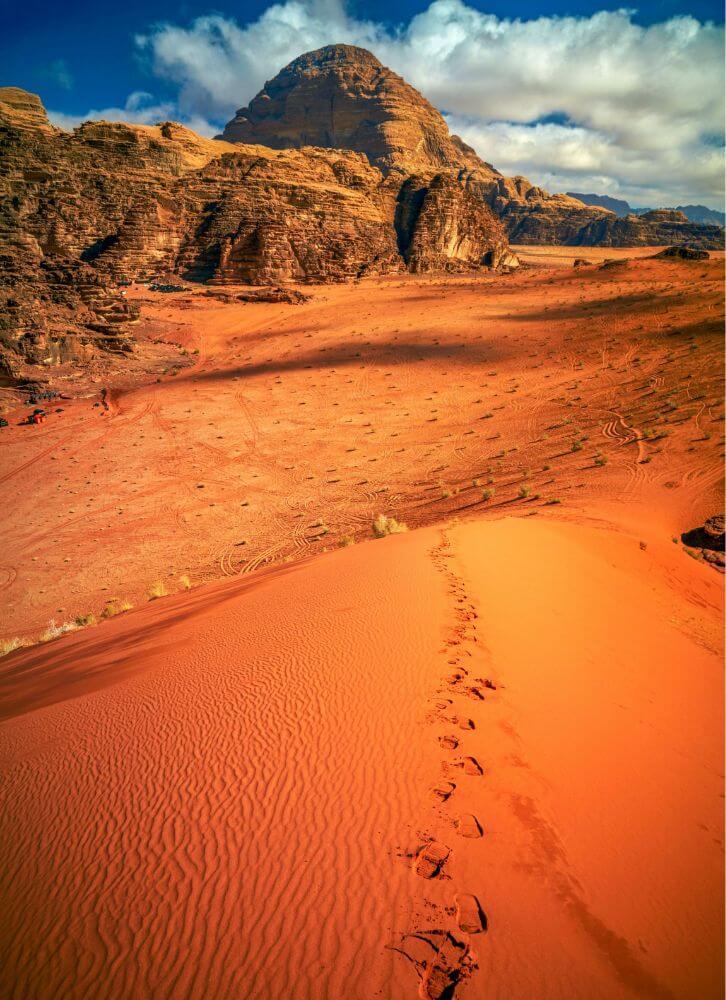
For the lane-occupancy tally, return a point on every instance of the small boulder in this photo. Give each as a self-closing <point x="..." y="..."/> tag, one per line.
<point x="683" y="253"/>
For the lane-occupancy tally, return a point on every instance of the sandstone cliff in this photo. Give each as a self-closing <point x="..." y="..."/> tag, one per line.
<point x="342" y="96"/>
<point x="80" y="211"/>
<point x="657" y="228"/>
<point x="336" y="170"/>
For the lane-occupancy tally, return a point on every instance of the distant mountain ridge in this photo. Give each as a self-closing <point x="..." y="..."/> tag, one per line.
<point x="699" y="214"/>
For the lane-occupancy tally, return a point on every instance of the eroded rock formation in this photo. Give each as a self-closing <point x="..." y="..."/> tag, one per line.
<point x="656" y="228"/>
<point x="336" y="170"/>
<point x="342" y="96"/>
<point x="111" y="202"/>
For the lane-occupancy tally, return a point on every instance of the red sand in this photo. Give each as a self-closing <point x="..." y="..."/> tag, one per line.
<point x="296" y="425"/>
<point x="483" y="756"/>
<point x="227" y="793"/>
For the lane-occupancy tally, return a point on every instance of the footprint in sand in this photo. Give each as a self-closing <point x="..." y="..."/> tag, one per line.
<point x="470" y="765"/>
<point x="476" y="693"/>
<point x="441" y="962"/>
<point x="444" y="790"/>
<point x="469" y="915"/>
<point x="453" y="962"/>
<point x="464" y="723"/>
<point x="457" y="677"/>
<point x="431" y="859"/>
<point x="468" y="826"/>
<point x="448" y="742"/>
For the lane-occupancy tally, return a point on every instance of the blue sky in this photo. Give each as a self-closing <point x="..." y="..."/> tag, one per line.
<point x="629" y="103"/>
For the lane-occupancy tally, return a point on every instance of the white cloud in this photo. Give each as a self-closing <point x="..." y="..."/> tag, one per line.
<point x="639" y="105"/>
<point x="139" y="109"/>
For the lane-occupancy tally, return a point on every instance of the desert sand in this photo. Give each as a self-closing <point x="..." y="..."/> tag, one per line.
<point x="233" y="792"/>
<point x="483" y="758"/>
<point x="294" y="425"/>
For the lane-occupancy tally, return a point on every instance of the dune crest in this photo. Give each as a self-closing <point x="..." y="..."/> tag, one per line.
<point x="240" y="814"/>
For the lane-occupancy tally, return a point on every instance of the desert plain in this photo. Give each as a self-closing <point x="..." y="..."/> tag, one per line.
<point x="482" y="757"/>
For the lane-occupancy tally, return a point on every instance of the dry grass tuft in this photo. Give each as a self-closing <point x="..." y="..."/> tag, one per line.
<point x="383" y="525"/>
<point x="9" y="645"/>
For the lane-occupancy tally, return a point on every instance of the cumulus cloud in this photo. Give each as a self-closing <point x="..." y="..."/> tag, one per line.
<point x="139" y="109"/>
<point x="571" y="102"/>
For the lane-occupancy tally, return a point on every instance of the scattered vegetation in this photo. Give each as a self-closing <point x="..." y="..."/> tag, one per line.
<point x="185" y="582"/>
<point x="115" y="607"/>
<point x="8" y="645"/>
<point x="601" y="459"/>
<point x="346" y="541"/>
<point x="487" y="494"/>
<point x="524" y="492"/>
<point x="54" y="631"/>
<point x="83" y="621"/>
<point x="157" y="590"/>
<point x="383" y="525"/>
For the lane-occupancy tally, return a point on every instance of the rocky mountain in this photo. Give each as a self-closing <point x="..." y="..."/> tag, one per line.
<point x="699" y="214"/>
<point x="341" y="96"/>
<point x="617" y="205"/>
<point x="337" y="169"/>
<point x="81" y="211"/>
<point x="702" y="215"/>
<point x="655" y="228"/>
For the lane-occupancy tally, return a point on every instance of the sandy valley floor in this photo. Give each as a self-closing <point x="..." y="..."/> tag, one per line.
<point x="296" y="424"/>
<point x="483" y="758"/>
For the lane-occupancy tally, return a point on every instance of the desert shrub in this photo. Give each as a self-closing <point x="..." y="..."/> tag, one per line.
<point x="476" y="482"/>
<point x="346" y="541"/>
<point x="83" y="621"/>
<point x="487" y="494"/>
<point x="8" y="645"/>
<point x="552" y="501"/>
<point x="601" y="459"/>
<point x="54" y="631"/>
<point x="185" y="582"/>
<point x="576" y="446"/>
<point x="524" y="492"/>
<point x="115" y="607"/>
<point x="157" y="590"/>
<point x="383" y="525"/>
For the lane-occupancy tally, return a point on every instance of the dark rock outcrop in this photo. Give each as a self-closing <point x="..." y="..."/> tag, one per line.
<point x="710" y="540"/>
<point x="651" y="229"/>
<point x="443" y="226"/>
<point x="683" y="253"/>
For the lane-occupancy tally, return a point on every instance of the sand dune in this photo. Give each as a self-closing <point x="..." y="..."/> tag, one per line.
<point x="483" y="757"/>
<point x="293" y="426"/>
